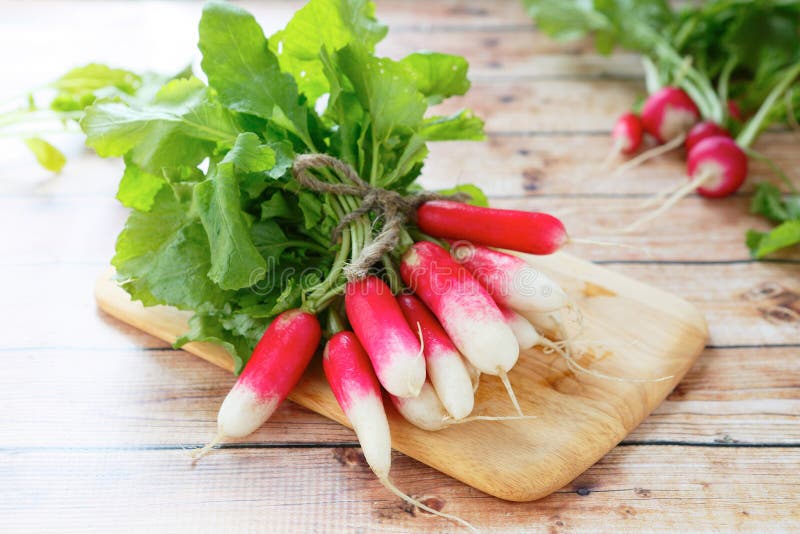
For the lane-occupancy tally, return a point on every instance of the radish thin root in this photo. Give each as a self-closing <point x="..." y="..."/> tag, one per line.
<point x="507" y="383"/>
<point x="414" y="502"/>
<point x="661" y="195"/>
<point x="420" y="354"/>
<point x="672" y="144"/>
<point x="205" y="449"/>
<point x="575" y="366"/>
<point x="673" y="199"/>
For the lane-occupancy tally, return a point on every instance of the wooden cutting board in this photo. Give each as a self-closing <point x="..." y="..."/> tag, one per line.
<point x="629" y="329"/>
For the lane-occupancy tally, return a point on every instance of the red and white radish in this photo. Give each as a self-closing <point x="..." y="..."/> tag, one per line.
<point x="277" y="363"/>
<point x="355" y="386"/>
<point x="716" y="167"/>
<point x="525" y="231"/>
<point x="393" y="348"/>
<point x="627" y="133"/>
<point x="424" y="411"/>
<point x="524" y="331"/>
<point x="511" y="281"/>
<point x="669" y="113"/>
<point x="704" y="130"/>
<point x="427" y="412"/>
<point x="700" y="131"/>
<point x="466" y="311"/>
<point x="446" y="367"/>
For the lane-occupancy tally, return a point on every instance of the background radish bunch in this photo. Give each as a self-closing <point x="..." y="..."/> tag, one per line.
<point x="716" y="163"/>
<point x="717" y="74"/>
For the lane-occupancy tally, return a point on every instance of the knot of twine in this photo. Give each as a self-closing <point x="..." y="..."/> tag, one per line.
<point x="394" y="208"/>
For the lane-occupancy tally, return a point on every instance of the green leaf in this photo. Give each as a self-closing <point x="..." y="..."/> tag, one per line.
<point x="235" y="261"/>
<point x="209" y="328"/>
<point x="328" y="24"/>
<point x="276" y="206"/>
<point x="181" y="127"/>
<point x="284" y="158"/>
<point x="385" y="89"/>
<point x="477" y="196"/>
<point x="138" y="189"/>
<point x="46" y="154"/>
<point x="269" y="240"/>
<point x="437" y="76"/>
<point x="767" y="202"/>
<point x="785" y="235"/>
<point x="566" y="19"/>
<point x="249" y="155"/>
<point x="245" y="73"/>
<point x="95" y="76"/>
<point x="163" y="257"/>
<point x="461" y="126"/>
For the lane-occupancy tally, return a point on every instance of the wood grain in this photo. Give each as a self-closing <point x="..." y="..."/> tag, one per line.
<point x="163" y="397"/>
<point x="632" y="489"/>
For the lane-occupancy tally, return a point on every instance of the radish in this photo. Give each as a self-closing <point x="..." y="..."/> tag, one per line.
<point x="424" y="411"/>
<point x="511" y="281"/>
<point x="535" y="233"/>
<point x="393" y="348"/>
<point x="427" y="412"/>
<point x="627" y="134"/>
<point x="445" y="365"/>
<point x="277" y="363"/>
<point x="735" y="111"/>
<point x="355" y="386"/>
<point x="717" y="167"/>
<point x="464" y="308"/>
<point x="704" y="130"/>
<point x="701" y="130"/>
<point x="526" y="334"/>
<point x="550" y="323"/>
<point x="669" y="113"/>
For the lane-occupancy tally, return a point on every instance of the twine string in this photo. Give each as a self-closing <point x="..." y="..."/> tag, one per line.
<point x="394" y="208"/>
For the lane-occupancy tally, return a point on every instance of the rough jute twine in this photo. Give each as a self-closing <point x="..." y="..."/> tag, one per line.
<point x="394" y="208"/>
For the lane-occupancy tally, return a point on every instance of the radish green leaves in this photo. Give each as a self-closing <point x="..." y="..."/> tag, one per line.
<point x="219" y="225"/>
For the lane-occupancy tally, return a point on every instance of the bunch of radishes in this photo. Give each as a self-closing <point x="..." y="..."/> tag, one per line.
<point x="458" y="316"/>
<point x="716" y="164"/>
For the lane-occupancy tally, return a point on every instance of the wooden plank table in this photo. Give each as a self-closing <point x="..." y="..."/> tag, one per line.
<point x="96" y="415"/>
